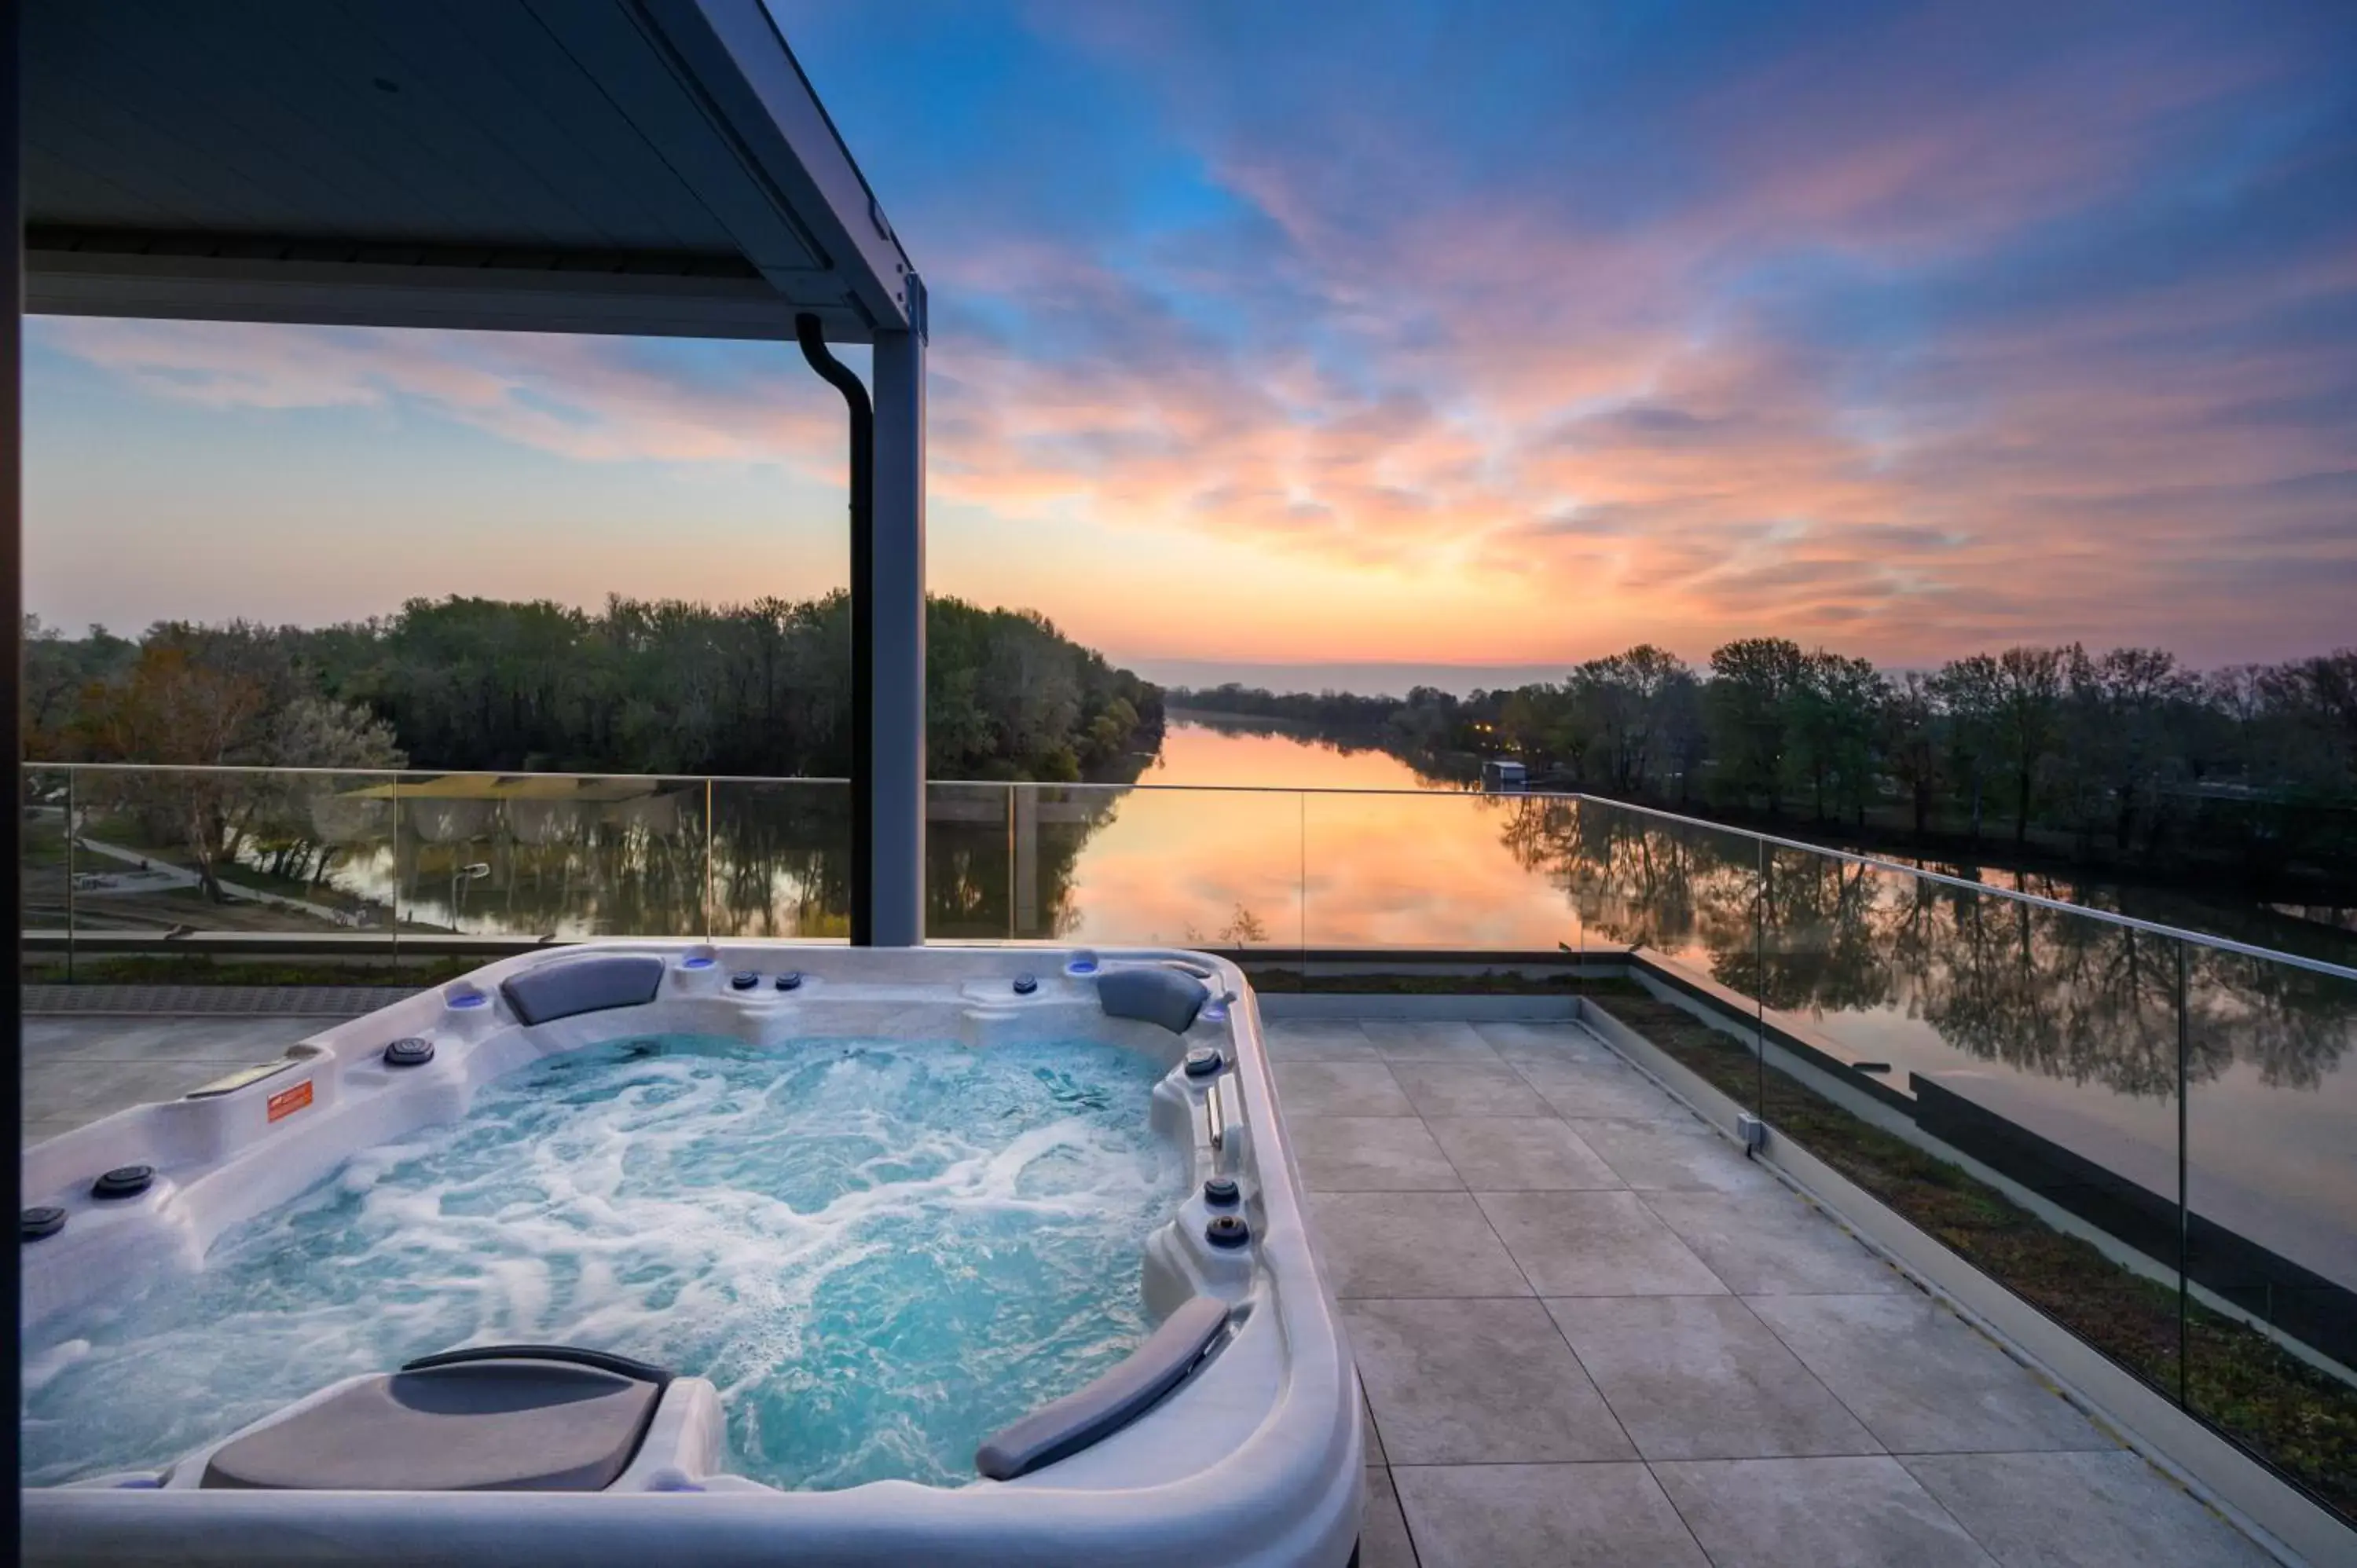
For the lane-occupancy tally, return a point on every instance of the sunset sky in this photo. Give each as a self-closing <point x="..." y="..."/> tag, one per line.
<point x="1450" y="333"/>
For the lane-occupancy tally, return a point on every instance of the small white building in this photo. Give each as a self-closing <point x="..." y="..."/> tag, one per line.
<point x="1503" y="776"/>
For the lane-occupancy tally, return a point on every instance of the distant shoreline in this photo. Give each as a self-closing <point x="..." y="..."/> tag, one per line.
<point x="1214" y="718"/>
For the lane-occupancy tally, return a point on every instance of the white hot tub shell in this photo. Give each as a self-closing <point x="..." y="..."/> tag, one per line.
<point x="1254" y="1457"/>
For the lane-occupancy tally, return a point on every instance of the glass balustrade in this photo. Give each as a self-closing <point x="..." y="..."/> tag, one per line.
<point x="779" y="859"/>
<point x="2142" y="1132"/>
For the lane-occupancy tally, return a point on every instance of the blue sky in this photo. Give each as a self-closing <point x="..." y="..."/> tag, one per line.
<point x="1474" y="334"/>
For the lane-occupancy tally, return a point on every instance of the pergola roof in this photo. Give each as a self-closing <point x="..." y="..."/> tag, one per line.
<point x="648" y="167"/>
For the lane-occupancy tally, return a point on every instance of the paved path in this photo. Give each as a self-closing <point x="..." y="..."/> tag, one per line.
<point x="1592" y="1332"/>
<point x="153" y="873"/>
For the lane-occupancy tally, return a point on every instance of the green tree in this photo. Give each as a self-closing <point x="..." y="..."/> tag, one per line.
<point x="1969" y="692"/>
<point x="1620" y="700"/>
<point x="170" y="709"/>
<point x="1754" y="685"/>
<point x="1913" y="743"/>
<point x="2029" y="686"/>
<point x="2125" y="718"/>
<point x="1837" y="717"/>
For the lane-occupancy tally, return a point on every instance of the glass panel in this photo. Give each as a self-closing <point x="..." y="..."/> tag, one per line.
<point x="1114" y="863"/>
<point x="1439" y="870"/>
<point x="318" y="847"/>
<point x="253" y="850"/>
<point x="552" y="855"/>
<point x="2271" y="1183"/>
<point x="781" y="857"/>
<point x="45" y="886"/>
<point x="1841" y="943"/>
<point x="1682" y="901"/>
<point x="970" y="862"/>
<point x="2002" y="1073"/>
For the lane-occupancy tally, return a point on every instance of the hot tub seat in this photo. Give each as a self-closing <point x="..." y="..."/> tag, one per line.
<point x="525" y="1418"/>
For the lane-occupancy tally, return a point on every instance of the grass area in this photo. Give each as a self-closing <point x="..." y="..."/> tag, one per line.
<point x="47" y="849"/>
<point x="194" y="968"/>
<point x="125" y="832"/>
<point x="2300" y="1419"/>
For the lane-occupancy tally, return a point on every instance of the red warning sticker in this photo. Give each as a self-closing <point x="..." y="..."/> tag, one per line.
<point x="288" y="1101"/>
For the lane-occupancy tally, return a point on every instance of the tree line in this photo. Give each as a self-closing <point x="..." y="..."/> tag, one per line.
<point x="641" y="686"/>
<point x="2126" y="757"/>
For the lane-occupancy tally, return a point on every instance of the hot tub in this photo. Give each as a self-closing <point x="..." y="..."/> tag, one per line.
<point x="1211" y="1416"/>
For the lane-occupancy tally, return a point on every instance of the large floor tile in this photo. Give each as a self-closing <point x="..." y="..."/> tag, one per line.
<point x="1382" y="1536"/>
<point x="1374" y="1439"/>
<point x="1474" y="1382"/>
<point x="1410" y="1244"/>
<point x="1697" y="1377"/>
<point x="1595" y="1244"/>
<point x="1317" y="1041"/>
<point x="1421" y="1040"/>
<point x="1521" y="1154"/>
<point x="1669" y="1156"/>
<point x="105" y="1038"/>
<point x="83" y="1091"/>
<point x="1467" y="1088"/>
<point x="1543" y="1516"/>
<point x="1339" y="1089"/>
<point x="1922" y="1379"/>
<point x="1770" y="1240"/>
<point x="1370" y="1154"/>
<point x="116" y="1039"/>
<point x="1606" y="1089"/>
<point x="54" y="1092"/>
<point x="1815" y="1513"/>
<point x="1564" y="1042"/>
<point x="2082" y="1510"/>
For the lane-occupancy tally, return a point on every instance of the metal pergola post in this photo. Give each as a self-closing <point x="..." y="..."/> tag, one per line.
<point x="12" y="605"/>
<point x="895" y="578"/>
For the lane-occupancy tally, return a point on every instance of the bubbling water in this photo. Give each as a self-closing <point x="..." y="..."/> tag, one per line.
<point x="879" y="1252"/>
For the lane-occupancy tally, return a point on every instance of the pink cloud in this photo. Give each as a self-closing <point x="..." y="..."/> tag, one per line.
<point x="1667" y="413"/>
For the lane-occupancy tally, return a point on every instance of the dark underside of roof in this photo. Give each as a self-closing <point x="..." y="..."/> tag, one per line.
<point x="628" y="165"/>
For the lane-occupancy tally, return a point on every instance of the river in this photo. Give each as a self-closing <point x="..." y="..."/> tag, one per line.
<point x="2066" y="1023"/>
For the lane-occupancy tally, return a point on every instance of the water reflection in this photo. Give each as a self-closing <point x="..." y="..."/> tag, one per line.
<point x="2065" y="1024"/>
<point x="2062" y="1024"/>
<point x="536" y="854"/>
<point x="999" y="859"/>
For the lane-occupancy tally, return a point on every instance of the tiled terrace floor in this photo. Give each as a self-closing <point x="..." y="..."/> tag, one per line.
<point x="1592" y="1332"/>
<point x="78" y="1068"/>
